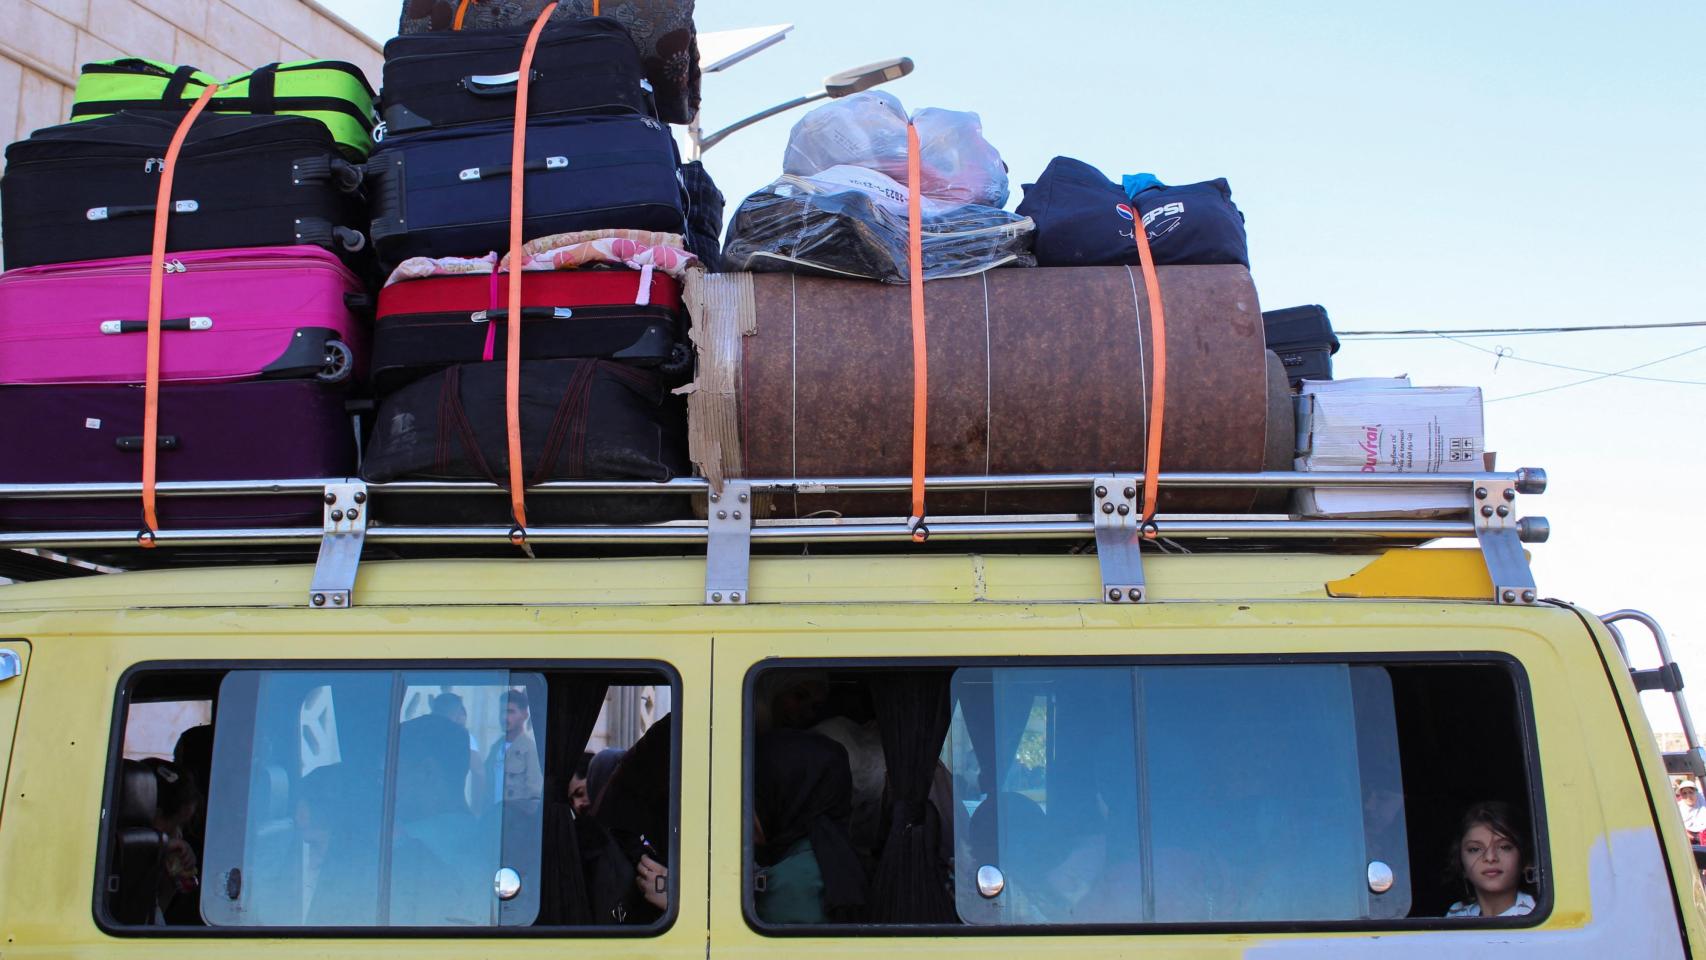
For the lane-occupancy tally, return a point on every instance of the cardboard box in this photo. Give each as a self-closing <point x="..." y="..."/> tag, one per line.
<point x="1386" y="425"/>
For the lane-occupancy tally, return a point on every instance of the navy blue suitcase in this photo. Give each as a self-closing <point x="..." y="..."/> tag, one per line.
<point x="445" y="193"/>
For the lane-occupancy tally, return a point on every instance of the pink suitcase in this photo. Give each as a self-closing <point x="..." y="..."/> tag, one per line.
<point x="242" y="314"/>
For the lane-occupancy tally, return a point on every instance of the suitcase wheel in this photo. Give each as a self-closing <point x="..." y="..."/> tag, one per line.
<point x="680" y="360"/>
<point x="339" y="363"/>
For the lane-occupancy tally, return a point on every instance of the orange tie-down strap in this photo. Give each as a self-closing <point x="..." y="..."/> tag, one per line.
<point x="517" y="192"/>
<point x="156" y="309"/>
<point x="920" y="355"/>
<point x="1158" y="388"/>
<point x="462" y="12"/>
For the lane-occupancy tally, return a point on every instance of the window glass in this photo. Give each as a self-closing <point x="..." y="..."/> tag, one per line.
<point x="1176" y="794"/>
<point x="375" y="798"/>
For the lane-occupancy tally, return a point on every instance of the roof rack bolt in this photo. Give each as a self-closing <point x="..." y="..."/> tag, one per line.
<point x="1125" y="508"/>
<point x="337" y="515"/>
<point x="1528" y="596"/>
<point x="737" y="514"/>
<point x="1107" y="507"/>
<point x="1130" y="493"/>
<point x="1486" y="511"/>
<point x="1480" y="493"/>
<point x="361" y="496"/>
<point x="716" y="598"/>
<point x="1504" y="510"/>
<point x="1531" y="480"/>
<point x="1510" y="493"/>
<point x="734" y="598"/>
<point x="319" y="599"/>
<point x="715" y="497"/>
<point x="1101" y="491"/>
<point x="722" y="514"/>
<point x="1136" y="595"/>
<point x="337" y="599"/>
<point x="743" y="498"/>
<point x="331" y="497"/>
<point x="353" y="513"/>
<point x="1115" y="595"/>
<point x="1510" y="596"/>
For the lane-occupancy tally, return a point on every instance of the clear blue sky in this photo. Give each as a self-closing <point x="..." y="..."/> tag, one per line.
<point x="1408" y="166"/>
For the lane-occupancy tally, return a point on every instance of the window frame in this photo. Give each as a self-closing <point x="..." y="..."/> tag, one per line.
<point x="1527" y="730"/>
<point x="216" y="669"/>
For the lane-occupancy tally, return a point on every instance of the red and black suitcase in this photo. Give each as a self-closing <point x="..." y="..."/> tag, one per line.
<point x="257" y="430"/>
<point x="428" y="324"/>
<point x="87" y="190"/>
<point x="448" y="79"/>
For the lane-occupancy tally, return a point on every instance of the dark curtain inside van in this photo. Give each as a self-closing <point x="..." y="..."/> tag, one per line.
<point x="913" y="709"/>
<point x="573" y="711"/>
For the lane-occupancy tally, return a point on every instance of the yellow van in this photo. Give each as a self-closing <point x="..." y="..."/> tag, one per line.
<point x="1257" y="737"/>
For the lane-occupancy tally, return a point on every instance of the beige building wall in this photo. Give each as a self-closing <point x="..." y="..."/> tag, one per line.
<point x="43" y="42"/>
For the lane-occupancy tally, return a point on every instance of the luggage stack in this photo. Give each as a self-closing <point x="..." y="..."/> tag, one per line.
<point x="604" y="334"/>
<point x="264" y="327"/>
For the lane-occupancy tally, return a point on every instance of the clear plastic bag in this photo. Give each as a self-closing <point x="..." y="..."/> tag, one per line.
<point x="869" y="130"/>
<point x="852" y="222"/>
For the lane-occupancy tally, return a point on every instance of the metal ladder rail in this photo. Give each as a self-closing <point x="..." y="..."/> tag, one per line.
<point x="1667" y="676"/>
<point x="730" y="529"/>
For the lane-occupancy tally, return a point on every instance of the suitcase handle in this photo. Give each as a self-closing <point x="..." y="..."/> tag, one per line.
<point x="111" y="327"/>
<point x="473" y="174"/>
<point x="496" y="84"/>
<point x="138" y="210"/>
<point x="165" y="441"/>
<point x="527" y="313"/>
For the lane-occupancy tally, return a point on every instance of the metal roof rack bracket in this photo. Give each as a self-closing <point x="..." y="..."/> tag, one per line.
<point x="345" y="514"/>
<point x="728" y="544"/>
<point x="1113" y="509"/>
<point x="1501" y="534"/>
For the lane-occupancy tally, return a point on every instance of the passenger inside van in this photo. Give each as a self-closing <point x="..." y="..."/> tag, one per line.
<point x="634" y="808"/>
<point x="1491" y="860"/>
<point x="809" y="871"/>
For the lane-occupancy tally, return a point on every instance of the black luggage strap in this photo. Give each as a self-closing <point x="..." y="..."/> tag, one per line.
<point x="180" y="81"/>
<point x="263" y="89"/>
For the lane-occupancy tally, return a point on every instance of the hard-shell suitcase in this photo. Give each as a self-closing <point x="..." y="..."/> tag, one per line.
<point x="272" y="312"/>
<point x="439" y="80"/>
<point x="87" y="191"/>
<point x="1304" y="339"/>
<point x="428" y="324"/>
<point x="704" y="215"/>
<point x="446" y="192"/>
<point x="580" y="420"/>
<point x="267" y="430"/>
<point x="331" y="91"/>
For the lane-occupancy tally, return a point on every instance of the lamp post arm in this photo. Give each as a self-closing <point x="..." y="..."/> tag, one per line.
<point x="707" y="143"/>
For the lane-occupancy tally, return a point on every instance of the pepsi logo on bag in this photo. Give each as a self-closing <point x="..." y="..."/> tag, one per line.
<point x="1084" y="219"/>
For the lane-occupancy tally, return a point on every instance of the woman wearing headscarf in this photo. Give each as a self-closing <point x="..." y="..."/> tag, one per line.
<point x="1692" y="808"/>
<point x="802" y="798"/>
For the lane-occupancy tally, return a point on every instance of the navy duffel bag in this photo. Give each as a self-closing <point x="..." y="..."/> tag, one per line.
<point x="1085" y="220"/>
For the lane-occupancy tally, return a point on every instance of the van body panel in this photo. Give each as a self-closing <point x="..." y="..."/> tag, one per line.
<point x="1611" y="861"/>
<point x="11" y="699"/>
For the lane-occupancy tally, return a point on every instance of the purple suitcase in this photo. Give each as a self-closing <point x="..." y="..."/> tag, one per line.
<point x="241" y="314"/>
<point x="263" y="430"/>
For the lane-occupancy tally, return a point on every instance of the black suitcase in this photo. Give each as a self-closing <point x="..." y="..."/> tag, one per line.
<point x="445" y="193"/>
<point x="1304" y="340"/>
<point x="86" y="190"/>
<point x="704" y="216"/>
<point x="580" y="420"/>
<point x="428" y="324"/>
<point x="438" y="80"/>
<point x="256" y="430"/>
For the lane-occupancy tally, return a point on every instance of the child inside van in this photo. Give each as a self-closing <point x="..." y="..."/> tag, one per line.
<point x="1489" y="859"/>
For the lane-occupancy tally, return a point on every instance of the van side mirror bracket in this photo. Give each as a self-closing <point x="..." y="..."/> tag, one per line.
<point x="728" y="543"/>
<point x="1119" y="539"/>
<point x="345" y="532"/>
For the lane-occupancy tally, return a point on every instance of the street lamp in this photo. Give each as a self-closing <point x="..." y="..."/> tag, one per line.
<point x="842" y="84"/>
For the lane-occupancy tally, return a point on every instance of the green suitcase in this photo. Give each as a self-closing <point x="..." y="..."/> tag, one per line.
<point x="330" y="91"/>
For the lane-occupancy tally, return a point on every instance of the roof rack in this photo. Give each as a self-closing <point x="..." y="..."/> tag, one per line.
<point x="729" y="530"/>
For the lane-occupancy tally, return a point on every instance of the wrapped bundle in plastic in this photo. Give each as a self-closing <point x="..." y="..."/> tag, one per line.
<point x="852" y="222"/>
<point x="869" y="130"/>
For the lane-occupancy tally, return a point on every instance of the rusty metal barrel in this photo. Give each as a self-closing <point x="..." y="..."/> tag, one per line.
<point x="1031" y="371"/>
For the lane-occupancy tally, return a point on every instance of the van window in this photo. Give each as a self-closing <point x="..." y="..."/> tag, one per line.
<point x="402" y="798"/>
<point x="1125" y="794"/>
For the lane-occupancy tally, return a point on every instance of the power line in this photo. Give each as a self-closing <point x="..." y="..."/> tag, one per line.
<point x="1616" y="373"/>
<point x="1495" y="331"/>
<point x="1564" y="366"/>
